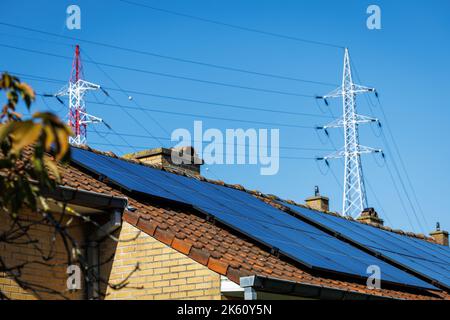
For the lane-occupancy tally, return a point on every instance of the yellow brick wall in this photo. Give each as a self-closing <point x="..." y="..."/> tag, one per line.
<point x="52" y="277"/>
<point x="163" y="272"/>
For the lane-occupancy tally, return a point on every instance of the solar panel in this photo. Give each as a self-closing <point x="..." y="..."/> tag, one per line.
<point x="431" y="261"/>
<point x="241" y="211"/>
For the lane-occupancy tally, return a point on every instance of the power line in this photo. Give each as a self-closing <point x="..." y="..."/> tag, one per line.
<point x="37" y="78"/>
<point x="116" y="147"/>
<point x="273" y="124"/>
<point x="137" y="121"/>
<point x="49" y="107"/>
<point x="336" y="178"/>
<point x="219" y="104"/>
<point x="161" y="138"/>
<point x="227" y="105"/>
<point x="399" y="195"/>
<point x="161" y="74"/>
<point x="386" y="142"/>
<point x="237" y="144"/>
<point x="402" y="184"/>
<point x="222" y="154"/>
<point x="148" y="53"/>
<point x="185" y="114"/>
<point x="374" y="194"/>
<point x="233" y="26"/>
<point x="120" y="136"/>
<point x="127" y="95"/>
<point x="116" y="104"/>
<point x="408" y="179"/>
<point x="35" y="39"/>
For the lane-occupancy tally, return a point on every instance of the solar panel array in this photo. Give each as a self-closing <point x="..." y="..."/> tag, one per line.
<point x="431" y="261"/>
<point x="246" y="214"/>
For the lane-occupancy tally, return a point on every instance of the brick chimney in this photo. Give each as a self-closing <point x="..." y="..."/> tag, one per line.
<point x="318" y="202"/>
<point x="183" y="160"/>
<point x="369" y="215"/>
<point x="440" y="236"/>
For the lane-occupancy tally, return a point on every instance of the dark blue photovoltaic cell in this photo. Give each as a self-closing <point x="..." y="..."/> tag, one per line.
<point x="245" y="213"/>
<point x="427" y="259"/>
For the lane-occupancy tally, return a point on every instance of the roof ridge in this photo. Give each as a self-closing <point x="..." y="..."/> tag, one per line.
<point x="419" y="236"/>
<point x="257" y="193"/>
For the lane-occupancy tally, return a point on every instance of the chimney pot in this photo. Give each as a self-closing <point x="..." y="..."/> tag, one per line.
<point x="316" y="191"/>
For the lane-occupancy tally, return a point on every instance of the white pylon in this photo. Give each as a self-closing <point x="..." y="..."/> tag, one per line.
<point x="354" y="196"/>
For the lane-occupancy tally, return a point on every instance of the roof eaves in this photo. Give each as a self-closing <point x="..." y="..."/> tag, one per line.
<point x="85" y="198"/>
<point x="304" y="290"/>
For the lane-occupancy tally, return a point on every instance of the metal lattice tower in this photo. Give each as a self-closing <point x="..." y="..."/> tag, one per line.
<point x="76" y="90"/>
<point x="354" y="196"/>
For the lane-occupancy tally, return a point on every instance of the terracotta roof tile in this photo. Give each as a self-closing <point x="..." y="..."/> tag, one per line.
<point x="146" y="226"/>
<point x="199" y="255"/>
<point x="218" y="266"/>
<point x="181" y="246"/>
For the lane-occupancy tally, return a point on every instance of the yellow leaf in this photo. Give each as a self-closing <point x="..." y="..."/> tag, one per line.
<point x="63" y="142"/>
<point x="23" y="134"/>
<point x="27" y="90"/>
<point x="6" y="80"/>
<point x="56" y="134"/>
<point x="49" y="137"/>
<point x="5" y="129"/>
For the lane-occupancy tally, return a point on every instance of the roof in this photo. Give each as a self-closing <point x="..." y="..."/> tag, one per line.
<point x="221" y="248"/>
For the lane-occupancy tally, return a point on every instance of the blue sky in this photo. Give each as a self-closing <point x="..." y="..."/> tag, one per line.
<point x="407" y="61"/>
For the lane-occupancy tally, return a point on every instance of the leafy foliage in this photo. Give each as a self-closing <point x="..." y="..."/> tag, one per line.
<point x="26" y="169"/>
<point x="24" y="165"/>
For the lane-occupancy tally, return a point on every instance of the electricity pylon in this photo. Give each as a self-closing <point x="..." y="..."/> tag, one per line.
<point x="77" y="88"/>
<point x="354" y="196"/>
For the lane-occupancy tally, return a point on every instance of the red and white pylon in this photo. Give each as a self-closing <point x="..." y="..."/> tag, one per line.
<point x="77" y="88"/>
